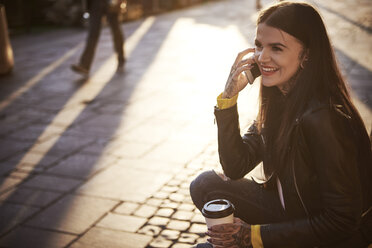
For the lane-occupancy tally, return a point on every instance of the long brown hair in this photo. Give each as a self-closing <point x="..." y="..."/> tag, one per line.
<point x="320" y="79"/>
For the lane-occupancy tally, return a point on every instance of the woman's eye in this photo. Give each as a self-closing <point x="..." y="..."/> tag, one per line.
<point x="276" y="49"/>
<point x="258" y="47"/>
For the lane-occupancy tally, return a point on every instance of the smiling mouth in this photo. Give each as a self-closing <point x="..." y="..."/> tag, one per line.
<point x="269" y="69"/>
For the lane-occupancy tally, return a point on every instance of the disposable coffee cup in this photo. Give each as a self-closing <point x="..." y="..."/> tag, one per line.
<point x="219" y="211"/>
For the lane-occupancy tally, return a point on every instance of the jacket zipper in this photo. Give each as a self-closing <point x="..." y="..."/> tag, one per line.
<point x="298" y="192"/>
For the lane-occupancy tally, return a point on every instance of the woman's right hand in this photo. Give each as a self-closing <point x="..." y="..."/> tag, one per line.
<point x="237" y="80"/>
<point x="233" y="235"/>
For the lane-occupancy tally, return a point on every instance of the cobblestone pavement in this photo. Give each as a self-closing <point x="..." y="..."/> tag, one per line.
<point x="107" y="161"/>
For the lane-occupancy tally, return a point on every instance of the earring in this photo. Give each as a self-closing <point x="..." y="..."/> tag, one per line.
<point x="302" y="63"/>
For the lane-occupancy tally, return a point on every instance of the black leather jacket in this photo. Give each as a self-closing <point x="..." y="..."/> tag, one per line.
<point x="324" y="180"/>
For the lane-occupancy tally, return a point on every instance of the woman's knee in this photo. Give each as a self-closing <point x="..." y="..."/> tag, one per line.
<point x="202" y="181"/>
<point x="201" y="185"/>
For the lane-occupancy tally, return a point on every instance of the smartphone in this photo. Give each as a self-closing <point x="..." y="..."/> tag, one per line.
<point x="253" y="73"/>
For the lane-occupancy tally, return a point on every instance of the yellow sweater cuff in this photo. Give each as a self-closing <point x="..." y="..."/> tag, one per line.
<point x="225" y="103"/>
<point x="256" y="236"/>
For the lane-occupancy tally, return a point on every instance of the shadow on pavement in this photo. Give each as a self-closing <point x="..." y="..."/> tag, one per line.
<point x="358" y="77"/>
<point x="337" y="13"/>
<point x="81" y="148"/>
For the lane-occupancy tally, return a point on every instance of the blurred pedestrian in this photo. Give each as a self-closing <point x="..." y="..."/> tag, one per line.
<point x="314" y="148"/>
<point x="258" y="4"/>
<point x="97" y="10"/>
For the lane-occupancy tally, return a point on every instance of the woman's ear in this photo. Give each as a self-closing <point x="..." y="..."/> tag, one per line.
<point x="304" y="58"/>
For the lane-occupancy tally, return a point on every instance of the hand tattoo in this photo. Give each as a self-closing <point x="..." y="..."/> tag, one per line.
<point x="236" y="235"/>
<point x="243" y="236"/>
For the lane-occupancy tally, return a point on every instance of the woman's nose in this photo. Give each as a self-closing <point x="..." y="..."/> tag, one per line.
<point x="263" y="56"/>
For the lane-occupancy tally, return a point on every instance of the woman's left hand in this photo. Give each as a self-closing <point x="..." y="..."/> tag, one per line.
<point x="235" y="235"/>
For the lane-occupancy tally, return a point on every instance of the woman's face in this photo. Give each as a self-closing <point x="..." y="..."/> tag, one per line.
<point x="278" y="55"/>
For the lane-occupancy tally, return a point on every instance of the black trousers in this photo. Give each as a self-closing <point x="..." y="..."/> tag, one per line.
<point x="98" y="9"/>
<point x="253" y="203"/>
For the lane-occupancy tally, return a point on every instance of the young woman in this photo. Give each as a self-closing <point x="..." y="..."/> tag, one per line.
<point x="315" y="150"/>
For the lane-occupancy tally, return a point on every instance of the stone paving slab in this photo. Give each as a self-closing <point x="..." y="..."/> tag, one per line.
<point x="126" y="208"/>
<point x="122" y="222"/>
<point x="6" y="167"/>
<point x="32" y="132"/>
<point x="81" y="165"/>
<point x="175" y="152"/>
<point x="22" y="175"/>
<point x="28" y="196"/>
<point x="12" y="147"/>
<point x="146" y="211"/>
<point x="116" y="182"/>
<point x="102" y="238"/>
<point x="132" y="149"/>
<point x="48" y="182"/>
<point x="34" y="161"/>
<point x="150" y="165"/>
<point x="72" y="214"/>
<point x="13" y="214"/>
<point x="25" y="237"/>
<point x="65" y="145"/>
<point x="8" y="183"/>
